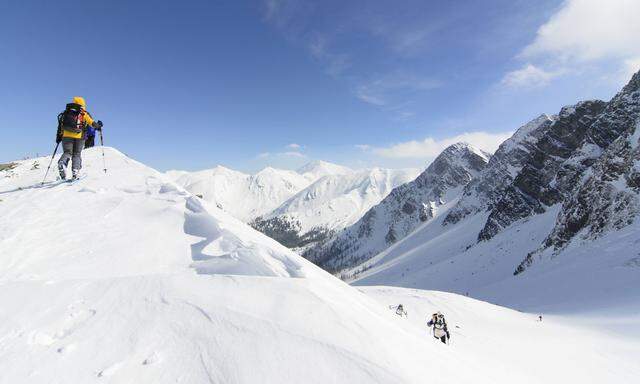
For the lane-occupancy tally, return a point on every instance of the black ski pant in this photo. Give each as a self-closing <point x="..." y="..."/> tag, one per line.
<point x="90" y="142"/>
<point x="72" y="148"/>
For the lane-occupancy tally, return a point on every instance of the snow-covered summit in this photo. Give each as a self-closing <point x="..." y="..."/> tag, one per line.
<point x="316" y="169"/>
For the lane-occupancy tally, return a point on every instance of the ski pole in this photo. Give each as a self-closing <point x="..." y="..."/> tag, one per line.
<point x="104" y="163"/>
<point x="50" y="162"/>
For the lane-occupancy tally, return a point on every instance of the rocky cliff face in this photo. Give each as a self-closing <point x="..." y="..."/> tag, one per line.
<point x="603" y="187"/>
<point x="493" y="182"/>
<point x="405" y="208"/>
<point x="546" y="177"/>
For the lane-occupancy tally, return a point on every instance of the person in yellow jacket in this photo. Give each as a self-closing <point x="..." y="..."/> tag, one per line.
<point x="72" y="127"/>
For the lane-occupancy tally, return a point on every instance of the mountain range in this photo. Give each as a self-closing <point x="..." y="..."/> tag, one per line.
<point x="297" y="208"/>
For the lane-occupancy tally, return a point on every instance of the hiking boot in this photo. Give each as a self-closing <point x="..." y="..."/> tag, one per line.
<point x="63" y="174"/>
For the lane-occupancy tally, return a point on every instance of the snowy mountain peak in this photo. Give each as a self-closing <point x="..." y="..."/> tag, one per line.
<point x="525" y="132"/>
<point x="404" y="209"/>
<point x="633" y="85"/>
<point x="318" y="168"/>
<point x="454" y="166"/>
<point x="221" y="169"/>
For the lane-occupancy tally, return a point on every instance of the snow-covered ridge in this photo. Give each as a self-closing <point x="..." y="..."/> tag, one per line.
<point x="126" y="277"/>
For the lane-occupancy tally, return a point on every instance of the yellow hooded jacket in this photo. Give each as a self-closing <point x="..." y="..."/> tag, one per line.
<point x="86" y="118"/>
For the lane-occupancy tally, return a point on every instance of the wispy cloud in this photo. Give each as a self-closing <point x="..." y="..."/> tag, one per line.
<point x="293" y="19"/>
<point x="287" y="15"/>
<point x="380" y="91"/>
<point x="580" y="34"/>
<point x="430" y="147"/>
<point x="303" y="23"/>
<point x="267" y="155"/>
<point x="529" y="76"/>
<point x="292" y="150"/>
<point x="335" y="63"/>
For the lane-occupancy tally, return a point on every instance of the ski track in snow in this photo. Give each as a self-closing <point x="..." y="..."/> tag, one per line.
<point x="125" y="277"/>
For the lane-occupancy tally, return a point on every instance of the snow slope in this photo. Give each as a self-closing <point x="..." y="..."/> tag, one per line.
<point x="599" y="275"/>
<point x="125" y="277"/>
<point x="560" y="349"/>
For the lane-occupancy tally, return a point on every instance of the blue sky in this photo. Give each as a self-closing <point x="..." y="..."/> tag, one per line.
<point x="192" y="84"/>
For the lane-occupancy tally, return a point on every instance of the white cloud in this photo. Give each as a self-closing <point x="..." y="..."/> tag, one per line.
<point x="528" y="76"/>
<point x="585" y="30"/>
<point x="291" y="150"/>
<point x="579" y="34"/>
<point x="430" y="147"/>
<point x="362" y="147"/>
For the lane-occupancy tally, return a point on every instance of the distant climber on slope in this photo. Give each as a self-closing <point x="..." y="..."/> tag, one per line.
<point x="72" y="129"/>
<point x="400" y="311"/>
<point x="439" y="325"/>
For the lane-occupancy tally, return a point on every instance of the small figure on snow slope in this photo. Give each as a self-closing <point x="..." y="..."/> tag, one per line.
<point x="400" y="311"/>
<point x="439" y="325"/>
<point x="72" y="128"/>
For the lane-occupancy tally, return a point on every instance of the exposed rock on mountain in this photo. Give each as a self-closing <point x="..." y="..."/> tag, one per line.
<point x="604" y="183"/>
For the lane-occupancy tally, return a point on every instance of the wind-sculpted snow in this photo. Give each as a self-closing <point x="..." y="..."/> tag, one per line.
<point x="232" y="250"/>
